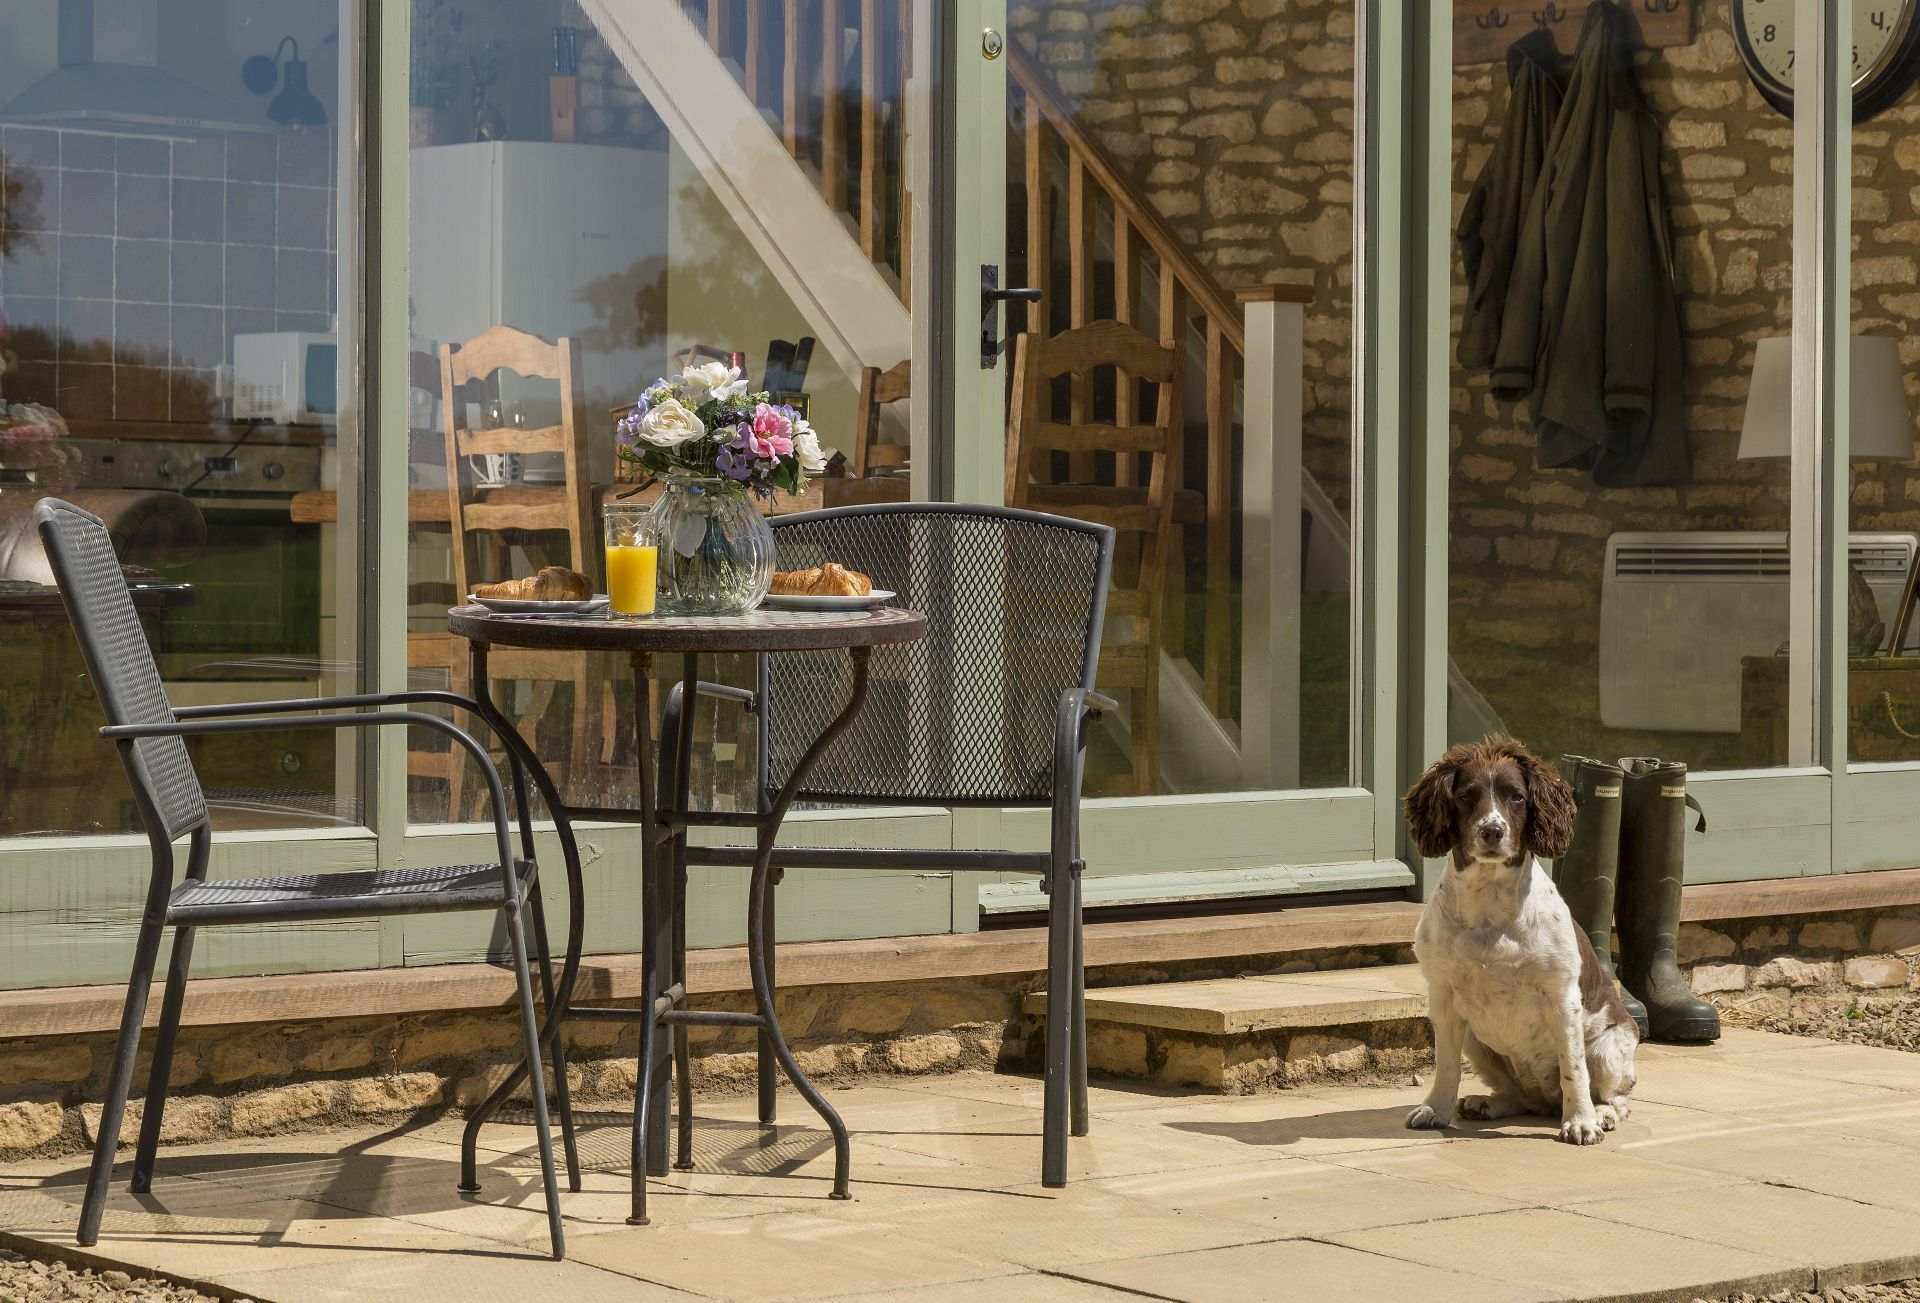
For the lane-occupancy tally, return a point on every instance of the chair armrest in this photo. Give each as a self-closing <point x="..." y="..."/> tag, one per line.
<point x="1097" y="703"/>
<point x="195" y="727"/>
<point x="721" y="691"/>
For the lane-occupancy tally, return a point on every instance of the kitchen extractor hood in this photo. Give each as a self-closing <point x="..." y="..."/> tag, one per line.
<point x="109" y="78"/>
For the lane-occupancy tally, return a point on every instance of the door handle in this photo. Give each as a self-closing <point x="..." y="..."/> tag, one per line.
<point x="991" y="297"/>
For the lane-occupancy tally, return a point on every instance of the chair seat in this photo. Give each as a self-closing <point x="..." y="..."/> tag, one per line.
<point x="356" y="894"/>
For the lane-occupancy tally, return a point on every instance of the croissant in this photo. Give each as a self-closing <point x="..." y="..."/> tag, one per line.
<point x="829" y="580"/>
<point x="552" y="584"/>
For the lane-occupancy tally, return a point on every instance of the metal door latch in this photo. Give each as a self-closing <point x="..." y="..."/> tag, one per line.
<point x="991" y="297"/>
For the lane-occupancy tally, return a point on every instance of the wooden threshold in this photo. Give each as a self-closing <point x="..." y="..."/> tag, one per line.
<point x="391" y="992"/>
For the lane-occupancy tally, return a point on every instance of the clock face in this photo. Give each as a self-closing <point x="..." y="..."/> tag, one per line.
<point x="1884" y="43"/>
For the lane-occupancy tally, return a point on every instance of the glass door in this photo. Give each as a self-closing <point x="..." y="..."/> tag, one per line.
<point x="1153" y="318"/>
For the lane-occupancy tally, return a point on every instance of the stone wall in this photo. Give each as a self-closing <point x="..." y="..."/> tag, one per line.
<point x="1761" y="970"/>
<point x="1235" y="119"/>
<point x="265" y="1078"/>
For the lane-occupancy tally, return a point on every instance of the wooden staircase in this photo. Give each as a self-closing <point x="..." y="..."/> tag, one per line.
<point x="829" y="79"/>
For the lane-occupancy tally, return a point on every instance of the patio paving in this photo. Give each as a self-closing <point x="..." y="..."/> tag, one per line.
<point x="1764" y="1163"/>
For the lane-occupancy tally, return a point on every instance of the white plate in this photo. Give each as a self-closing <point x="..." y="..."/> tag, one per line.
<point x="797" y="602"/>
<point x="514" y="606"/>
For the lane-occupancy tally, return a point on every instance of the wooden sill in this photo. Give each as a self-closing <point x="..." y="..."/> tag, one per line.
<point x="294" y="997"/>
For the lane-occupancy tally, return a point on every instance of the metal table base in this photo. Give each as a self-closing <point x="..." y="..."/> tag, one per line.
<point x="669" y="821"/>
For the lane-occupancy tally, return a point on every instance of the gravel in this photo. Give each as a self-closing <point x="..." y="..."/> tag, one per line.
<point x="1899" y="1291"/>
<point x="27" y="1280"/>
<point x="1891" y="1022"/>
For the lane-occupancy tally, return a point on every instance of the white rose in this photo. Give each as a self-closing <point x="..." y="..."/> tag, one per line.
<point x="715" y="380"/>
<point x="670" y="424"/>
<point x="806" y="447"/>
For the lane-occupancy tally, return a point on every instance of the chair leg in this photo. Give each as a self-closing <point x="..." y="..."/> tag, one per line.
<point x="120" y="1080"/>
<point x="162" y="1066"/>
<point x="536" y="1082"/>
<point x="1054" y="1114"/>
<point x="557" y="1047"/>
<point x="769" y="1066"/>
<point x="643" y="1102"/>
<point x="1079" y="1048"/>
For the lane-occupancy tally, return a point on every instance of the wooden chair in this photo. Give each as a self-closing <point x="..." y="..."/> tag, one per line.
<point x="489" y="524"/>
<point x="877" y="389"/>
<point x="1145" y="516"/>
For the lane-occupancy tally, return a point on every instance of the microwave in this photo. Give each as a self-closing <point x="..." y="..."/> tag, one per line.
<point x="286" y="377"/>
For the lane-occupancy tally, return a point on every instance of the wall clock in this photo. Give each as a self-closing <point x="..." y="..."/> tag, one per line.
<point x="1886" y="51"/>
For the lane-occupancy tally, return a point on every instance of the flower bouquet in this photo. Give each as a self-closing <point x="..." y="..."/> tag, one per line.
<point x="34" y="448"/>
<point x="718" y="448"/>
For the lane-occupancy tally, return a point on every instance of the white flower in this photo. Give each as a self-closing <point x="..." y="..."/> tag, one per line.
<point x="670" y="424"/>
<point x="806" y="447"/>
<point x="712" y="380"/>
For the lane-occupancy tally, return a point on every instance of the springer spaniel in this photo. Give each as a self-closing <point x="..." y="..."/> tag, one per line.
<point x="1511" y="981"/>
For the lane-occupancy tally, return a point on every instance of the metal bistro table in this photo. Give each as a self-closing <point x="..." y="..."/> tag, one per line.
<point x="663" y="854"/>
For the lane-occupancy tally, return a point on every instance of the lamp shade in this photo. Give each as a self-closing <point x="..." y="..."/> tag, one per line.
<point x="1879" y="422"/>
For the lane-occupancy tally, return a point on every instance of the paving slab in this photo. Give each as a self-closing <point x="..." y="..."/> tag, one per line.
<point x="1238" y="1005"/>
<point x="1752" y="1164"/>
<point x="1574" y="1257"/>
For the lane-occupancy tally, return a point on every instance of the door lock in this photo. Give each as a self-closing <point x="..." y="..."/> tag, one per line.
<point x="991" y="297"/>
<point x="991" y="44"/>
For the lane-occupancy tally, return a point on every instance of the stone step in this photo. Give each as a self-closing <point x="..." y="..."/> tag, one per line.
<point x="1236" y="1035"/>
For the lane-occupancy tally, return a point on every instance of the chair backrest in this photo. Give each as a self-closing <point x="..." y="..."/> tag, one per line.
<point x="1014" y="602"/>
<point x="567" y="506"/>
<point x="877" y="389"/>
<point x="121" y="664"/>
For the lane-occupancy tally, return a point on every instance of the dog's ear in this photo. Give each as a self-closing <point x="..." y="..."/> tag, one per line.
<point x="1429" y="807"/>
<point x="1550" y="808"/>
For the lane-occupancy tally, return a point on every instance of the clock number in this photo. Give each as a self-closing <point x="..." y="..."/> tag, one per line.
<point x="1879" y="19"/>
<point x="1767" y="33"/>
<point x="1789" y="60"/>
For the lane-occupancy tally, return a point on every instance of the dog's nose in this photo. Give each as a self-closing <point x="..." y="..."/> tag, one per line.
<point x="1492" y="829"/>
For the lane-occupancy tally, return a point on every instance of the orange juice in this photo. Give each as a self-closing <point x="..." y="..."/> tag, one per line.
<point x="631" y="573"/>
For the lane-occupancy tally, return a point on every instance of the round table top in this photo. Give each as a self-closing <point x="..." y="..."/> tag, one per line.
<point x="763" y="630"/>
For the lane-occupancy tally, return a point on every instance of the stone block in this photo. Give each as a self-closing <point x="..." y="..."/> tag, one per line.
<point x="55" y="1061"/>
<point x="875" y="1015"/>
<point x="269" y="1110"/>
<point x="1876" y="972"/>
<point x="1312" y="1055"/>
<point x="458" y="1039"/>
<point x="250" y="1059"/>
<point x="1796" y="974"/>
<point x="29" y="1124"/>
<point x="964" y="1008"/>
<point x="1121" y="1051"/>
<point x="338" y="1054"/>
<point x="403" y="1092"/>
<point x="1697" y="943"/>
<point x="1899" y="935"/>
<point x="186" y="1120"/>
<point x="1829" y="936"/>
<point x="1194" y="1063"/>
<point x="1708" y="979"/>
<point x="925" y="1053"/>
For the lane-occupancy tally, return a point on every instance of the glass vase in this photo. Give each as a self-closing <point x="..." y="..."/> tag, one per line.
<point x="716" y="551"/>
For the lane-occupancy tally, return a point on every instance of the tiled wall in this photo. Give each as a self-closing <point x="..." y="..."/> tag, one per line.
<point x="133" y="261"/>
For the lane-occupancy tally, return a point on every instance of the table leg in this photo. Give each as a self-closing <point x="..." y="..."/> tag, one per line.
<point x="681" y="802"/>
<point x="656" y="955"/>
<point x="759" y="898"/>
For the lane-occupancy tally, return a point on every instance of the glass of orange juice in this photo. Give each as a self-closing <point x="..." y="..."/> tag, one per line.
<point x="633" y="561"/>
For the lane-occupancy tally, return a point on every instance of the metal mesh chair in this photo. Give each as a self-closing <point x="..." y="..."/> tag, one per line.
<point x="150" y="733"/>
<point x="990" y="708"/>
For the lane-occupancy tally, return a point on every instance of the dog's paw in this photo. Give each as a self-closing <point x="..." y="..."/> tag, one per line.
<point x="1582" y="1131"/>
<point x="1488" y="1108"/>
<point x="1428" y="1118"/>
<point x="1608" y="1118"/>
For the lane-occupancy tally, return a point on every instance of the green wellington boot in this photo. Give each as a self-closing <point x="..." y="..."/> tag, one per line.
<point x="1653" y="846"/>
<point x="1586" y="874"/>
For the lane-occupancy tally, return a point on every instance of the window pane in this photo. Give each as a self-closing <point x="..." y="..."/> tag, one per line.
<point x="1192" y="181"/>
<point x="1883" y="689"/>
<point x="725" y="185"/>
<point x="1619" y="486"/>
<point x="170" y="289"/>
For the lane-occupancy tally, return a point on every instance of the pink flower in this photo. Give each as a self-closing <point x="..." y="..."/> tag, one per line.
<point x="772" y="432"/>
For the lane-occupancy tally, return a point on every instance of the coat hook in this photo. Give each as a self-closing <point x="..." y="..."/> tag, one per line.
<point x="1549" y="16"/>
<point x="1492" y="18"/>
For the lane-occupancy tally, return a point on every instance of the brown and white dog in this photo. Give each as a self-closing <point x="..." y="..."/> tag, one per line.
<point x="1511" y="981"/>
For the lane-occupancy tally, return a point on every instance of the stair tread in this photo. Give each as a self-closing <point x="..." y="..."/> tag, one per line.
<point x="1231" y="1005"/>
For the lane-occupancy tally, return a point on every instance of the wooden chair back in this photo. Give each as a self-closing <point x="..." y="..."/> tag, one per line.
<point x="507" y="511"/>
<point x="877" y="389"/>
<point x="1143" y="518"/>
